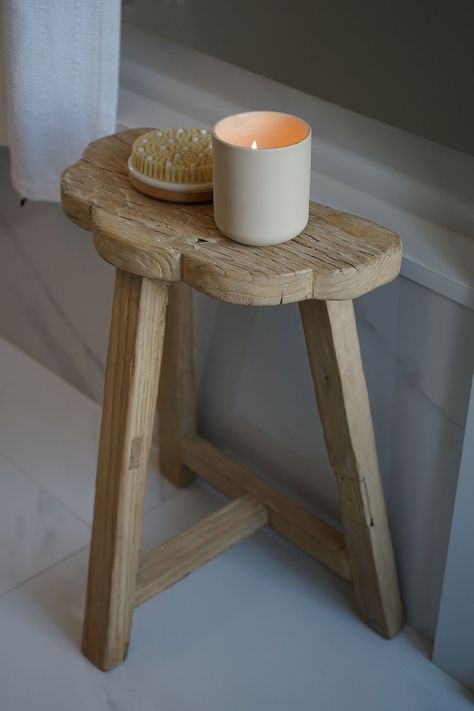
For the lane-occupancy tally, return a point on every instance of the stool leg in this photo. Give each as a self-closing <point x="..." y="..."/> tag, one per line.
<point x="131" y="385"/>
<point x="176" y="397"/>
<point x="334" y="355"/>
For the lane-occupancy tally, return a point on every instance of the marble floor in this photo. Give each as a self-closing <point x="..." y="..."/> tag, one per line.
<point x="261" y="628"/>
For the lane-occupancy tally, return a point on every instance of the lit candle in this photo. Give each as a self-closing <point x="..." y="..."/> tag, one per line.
<point x="261" y="175"/>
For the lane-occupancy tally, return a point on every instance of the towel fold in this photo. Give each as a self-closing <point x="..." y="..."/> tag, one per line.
<point x="62" y="64"/>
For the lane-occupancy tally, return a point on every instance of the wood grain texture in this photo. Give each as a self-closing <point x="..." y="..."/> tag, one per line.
<point x="296" y="523"/>
<point x="176" y="558"/>
<point x="334" y="355"/>
<point x="176" y="396"/>
<point x="131" y="385"/>
<point x="338" y="256"/>
<point x="179" y="196"/>
<point x="160" y="248"/>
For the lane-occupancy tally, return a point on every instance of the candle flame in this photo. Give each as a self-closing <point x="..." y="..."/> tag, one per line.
<point x="254" y="144"/>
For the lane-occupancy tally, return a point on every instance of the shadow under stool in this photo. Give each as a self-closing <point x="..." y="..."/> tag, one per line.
<point x="161" y="252"/>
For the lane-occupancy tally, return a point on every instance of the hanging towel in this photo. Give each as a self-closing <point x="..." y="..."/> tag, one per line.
<point x="61" y="65"/>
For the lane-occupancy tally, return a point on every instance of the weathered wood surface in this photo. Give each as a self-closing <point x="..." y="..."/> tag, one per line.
<point x="341" y="392"/>
<point x="166" y="564"/>
<point x="297" y="524"/>
<point x="176" y="395"/>
<point x="338" y="256"/>
<point x="179" y="196"/>
<point x="156" y="245"/>
<point x="131" y="386"/>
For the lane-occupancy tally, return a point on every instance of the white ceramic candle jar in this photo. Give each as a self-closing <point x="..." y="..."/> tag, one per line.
<point x="261" y="175"/>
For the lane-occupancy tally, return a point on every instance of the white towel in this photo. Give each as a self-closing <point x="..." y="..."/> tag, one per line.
<point x="62" y="61"/>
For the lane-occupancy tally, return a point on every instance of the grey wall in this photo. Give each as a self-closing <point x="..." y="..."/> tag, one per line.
<point x="455" y="632"/>
<point x="406" y="63"/>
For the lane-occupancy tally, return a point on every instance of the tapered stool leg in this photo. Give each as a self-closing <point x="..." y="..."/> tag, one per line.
<point x="176" y="397"/>
<point x="334" y="355"/>
<point x="131" y="386"/>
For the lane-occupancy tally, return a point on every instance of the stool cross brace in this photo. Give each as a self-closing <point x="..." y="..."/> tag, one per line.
<point x="152" y="326"/>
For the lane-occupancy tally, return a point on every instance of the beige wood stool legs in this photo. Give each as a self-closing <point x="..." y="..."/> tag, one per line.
<point x="334" y="355"/>
<point x="176" y="398"/>
<point x="131" y="385"/>
<point x="118" y="579"/>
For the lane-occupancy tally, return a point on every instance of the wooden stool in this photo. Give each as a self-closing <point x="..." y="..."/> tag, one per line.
<point x="161" y="250"/>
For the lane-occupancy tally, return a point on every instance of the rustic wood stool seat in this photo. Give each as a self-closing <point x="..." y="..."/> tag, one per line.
<point x="160" y="250"/>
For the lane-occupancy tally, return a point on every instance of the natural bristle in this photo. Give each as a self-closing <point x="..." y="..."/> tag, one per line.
<point x="174" y="155"/>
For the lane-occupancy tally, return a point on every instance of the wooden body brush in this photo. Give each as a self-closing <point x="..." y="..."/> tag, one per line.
<point x="173" y="164"/>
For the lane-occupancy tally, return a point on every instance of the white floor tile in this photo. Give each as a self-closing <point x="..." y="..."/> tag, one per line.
<point x="41" y="666"/>
<point x="36" y="530"/>
<point x="52" y="432"/>
<point x="261" y="628"/>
